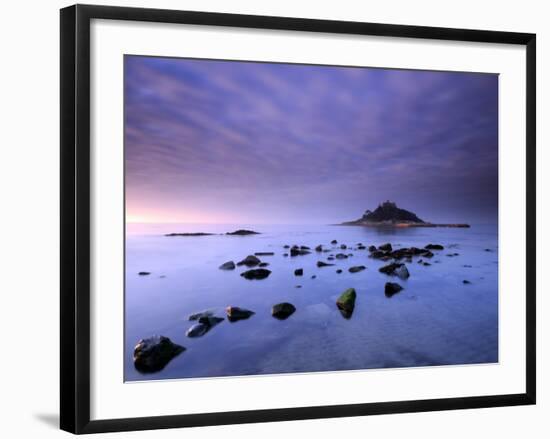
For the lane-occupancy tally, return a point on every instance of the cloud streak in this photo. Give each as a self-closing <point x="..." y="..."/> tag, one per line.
<point x="249" y="142"/>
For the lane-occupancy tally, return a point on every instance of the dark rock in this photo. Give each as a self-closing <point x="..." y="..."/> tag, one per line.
<point x="323" y="264"/>
<point x="372" y="248"/>
<point x="230" y="265"/>
<point x="234" y="313"/>
<point x="378" y="254"/>
<point x="361" y="247"/>
<point x="257" y="273"/>
<point x="346" y="302"/>
<point x="242" y="232"/>
<point x="395" y="269"/>
<point x="304" y="247"/>
<point x="334" y="241"/>
<point x="356" y="269"/>
<point x="330" y="258"/>
<point x="488" y="250"/>
<point x="263" y="264"/>
<point x="392" y="288"/>
<point x="264" y="253"/>
<point x="467" y="266"/>
<point x="466" y="282"/>
<point x="385" y="247"/>
<point x="286" y="246"/>
<point x="343" y="246"/>
<point x="249" y="261"/>
<point x="206" y="323"/>
<point x="341" y="256"/>
<point x="283" y="310"/>
<point x="426" y="264"/>
<point x="298" y="286"/>
<point x="428" y="254"/>
<point x="189" y="234"/>
<point x="285" y="255"/>
<point x="295" y="251"/>
<point x="434" y="247"/>
<point x="319" y="248"/>
<point x="144" y="273"/>
<point x="313" y="277"/>
<point x="350" y="255"/>
<point x="299" y="272"/>
<point x="198" y="315"/>
<point x="154" y="353"/>
<point x="339" y="271"/>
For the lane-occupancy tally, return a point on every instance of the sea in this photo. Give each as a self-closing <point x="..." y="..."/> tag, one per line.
<point x="436" y="320"/>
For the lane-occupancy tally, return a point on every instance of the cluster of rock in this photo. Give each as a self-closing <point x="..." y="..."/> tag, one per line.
<point x="240" y="232"/>
<point x="153" y="353"/>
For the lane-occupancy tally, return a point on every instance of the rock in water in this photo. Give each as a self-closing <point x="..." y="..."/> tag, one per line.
<point x="229" y="265"/>
<point x="356" y="269"/>
<point x="395" y="269"/>
<point x="372" y="248"/>
<point x="466" y="282"/>
<point x="257" y="273"/>
<point x="206" y="323"/>
<point x="402" y="272"/>
<point x="334" y="241"/>
<point x="392" y="288"/>
<point x="144" y="273"/>
<point x="264" y="253"/>
<point x="283" y="310"/>
<point x="434" y="247"/>
<point x="343" y="246"/>
<point x="341" y="256"/>
<point x="242" y="232"/>
<point x="154" y="353"/>
<point x="346" y="302"/>
<point x="338" y="271"/>
<point x="299" y="272"/>
<point x="263" y="264"/>
<point x="319" y="248"/>
<point x="323" y="264"/>
<point x="249" y="261"/>
<point x="295" y="251"/>
<point x="385" y="247"/>
<point x="198" y="315"/>
<point x="234" y="313"/>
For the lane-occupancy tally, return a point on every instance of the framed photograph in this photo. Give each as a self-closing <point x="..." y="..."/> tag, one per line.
<point x="268" y="218"/>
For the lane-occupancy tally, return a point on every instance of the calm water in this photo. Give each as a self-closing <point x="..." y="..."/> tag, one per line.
<point x="435" y="320"/>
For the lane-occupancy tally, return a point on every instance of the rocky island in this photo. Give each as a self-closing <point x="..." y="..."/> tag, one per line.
<point x="388" y="214"/>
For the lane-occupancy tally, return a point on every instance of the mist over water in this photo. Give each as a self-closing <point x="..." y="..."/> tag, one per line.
<point x="435" y="320"/>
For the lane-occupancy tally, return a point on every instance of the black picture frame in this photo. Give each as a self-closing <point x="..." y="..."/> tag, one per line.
<point x="75" y="217"/>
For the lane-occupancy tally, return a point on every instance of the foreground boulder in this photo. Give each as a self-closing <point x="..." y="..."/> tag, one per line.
<point x="395" y="269"/>
<point x="206" y="323"/>
<point x="257" y="273"/>
<point x="249" y="261"/>
<point x="229" y="265"/>
<point x="234" y="313"/>
<point x="356" y="269"/>
<point x="242" y="232"/>
<point x="346" y="302"/>
<point x="323" y="264"/>
<point x="392" y="288"/>
<point x="283" y="310"/>
<point x="153" y="353"/>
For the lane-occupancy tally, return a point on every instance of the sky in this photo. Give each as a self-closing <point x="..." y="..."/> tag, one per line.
<point x="265" y="143"/>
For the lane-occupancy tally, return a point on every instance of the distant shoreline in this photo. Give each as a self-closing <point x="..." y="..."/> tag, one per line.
<point x="403" y="225"/>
